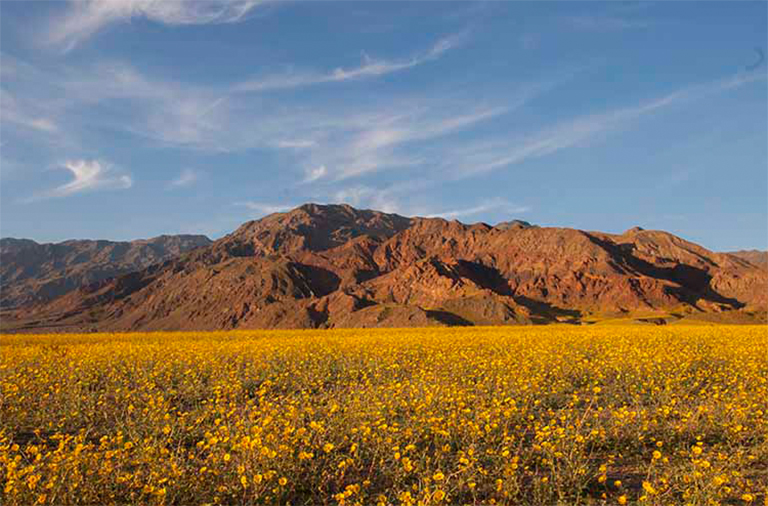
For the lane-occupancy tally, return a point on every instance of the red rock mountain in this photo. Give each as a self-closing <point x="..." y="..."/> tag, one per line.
<point x="336" y="266"/>
<point x="33" y="273"/>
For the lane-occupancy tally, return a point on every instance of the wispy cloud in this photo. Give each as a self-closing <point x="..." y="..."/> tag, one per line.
<point x="370" y="67"/>
<point x="187" y="177"/>
<point x="493" y="205"/>
<point x="395" y="198"/>
<point x="171" y="113"/>
<point x="262" y="208"/>
<point x="88" y="175"/>
<point x="485" y="156"/>
<point x="382" y="141"/>
<point x="365" y="196"/>
<point x="11" y="111"/>
<point x="84" y="18"/>
<point x="213" y="118"/>
<point x="326" y="144"/>
<point x="168" y="112"/>
<point x="315" y="174"/>
<point x="40" y="124"/>
<point x="349" y="140"/>
<point x="401" y="134"/>
<point x="296" y="144"/>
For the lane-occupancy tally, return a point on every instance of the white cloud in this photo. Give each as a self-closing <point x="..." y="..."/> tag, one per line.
<point x="168" y="112"/>
<point x="335" y="142"/>
<point x="41" y="124"/>
<point x="88" y="175"/>
<point x="11" y="111"/>
<point x="349" y="139"/>
<point x="392" y="199"/>
<point x="367" y="197"/>
<point x="171" y="113"/>
<point x="193" y="121"/>
<point x="262" y="208"/>
<point x="492" y="205"/>
<point x="315" y="174"/>
<point x="84" y="18"/>
<point x="382" y="140"/>
<point x="399" y="136"/>
<point x="370" y="67"/>
<point x="296" y="144"/>
<point x="187" y="177"/>
<point x="486" y="156"/>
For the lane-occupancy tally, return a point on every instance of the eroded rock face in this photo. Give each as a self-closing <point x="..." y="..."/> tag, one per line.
<point x="336" y="266"/>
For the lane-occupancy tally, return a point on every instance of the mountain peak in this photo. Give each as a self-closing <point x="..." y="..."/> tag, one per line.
<point x="512" y="224"/>
<point x="313" y="227"/>
<point x="313" y="208"/>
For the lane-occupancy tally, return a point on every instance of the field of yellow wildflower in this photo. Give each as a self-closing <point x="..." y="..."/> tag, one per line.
<point x="527" y="415"/>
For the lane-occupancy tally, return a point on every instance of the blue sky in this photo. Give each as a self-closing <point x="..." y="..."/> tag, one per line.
<point x="133" y="118"/>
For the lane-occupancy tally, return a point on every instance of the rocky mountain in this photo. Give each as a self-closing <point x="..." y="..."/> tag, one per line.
<point x="32" y="273"/>
<point x="753" y="256"/>
<point x="335" y="266"/>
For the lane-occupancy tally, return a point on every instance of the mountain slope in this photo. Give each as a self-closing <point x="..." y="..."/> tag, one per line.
<point x="33" y="273"/>
<point x="336" y="266"/>
<point x="753" y="256"/>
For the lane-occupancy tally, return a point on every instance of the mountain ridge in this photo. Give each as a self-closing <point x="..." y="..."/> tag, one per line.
<point x="322" y="266"/>
<point x="753" y="256"/>
<point x="33" y="272"/>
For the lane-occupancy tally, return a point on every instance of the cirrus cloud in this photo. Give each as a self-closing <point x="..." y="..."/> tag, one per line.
<point x="492" y="205"/>
<point x="187" y="177"/>
<point x="369" y="68"/>
<point x="262" y="208"/>
<point x="88" y="175"/>
<point x="85" y="18"/>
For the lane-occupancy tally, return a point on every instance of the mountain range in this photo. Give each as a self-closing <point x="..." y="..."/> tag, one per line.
<point x="323" y="266"/>
<point x="34" y="273"/>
